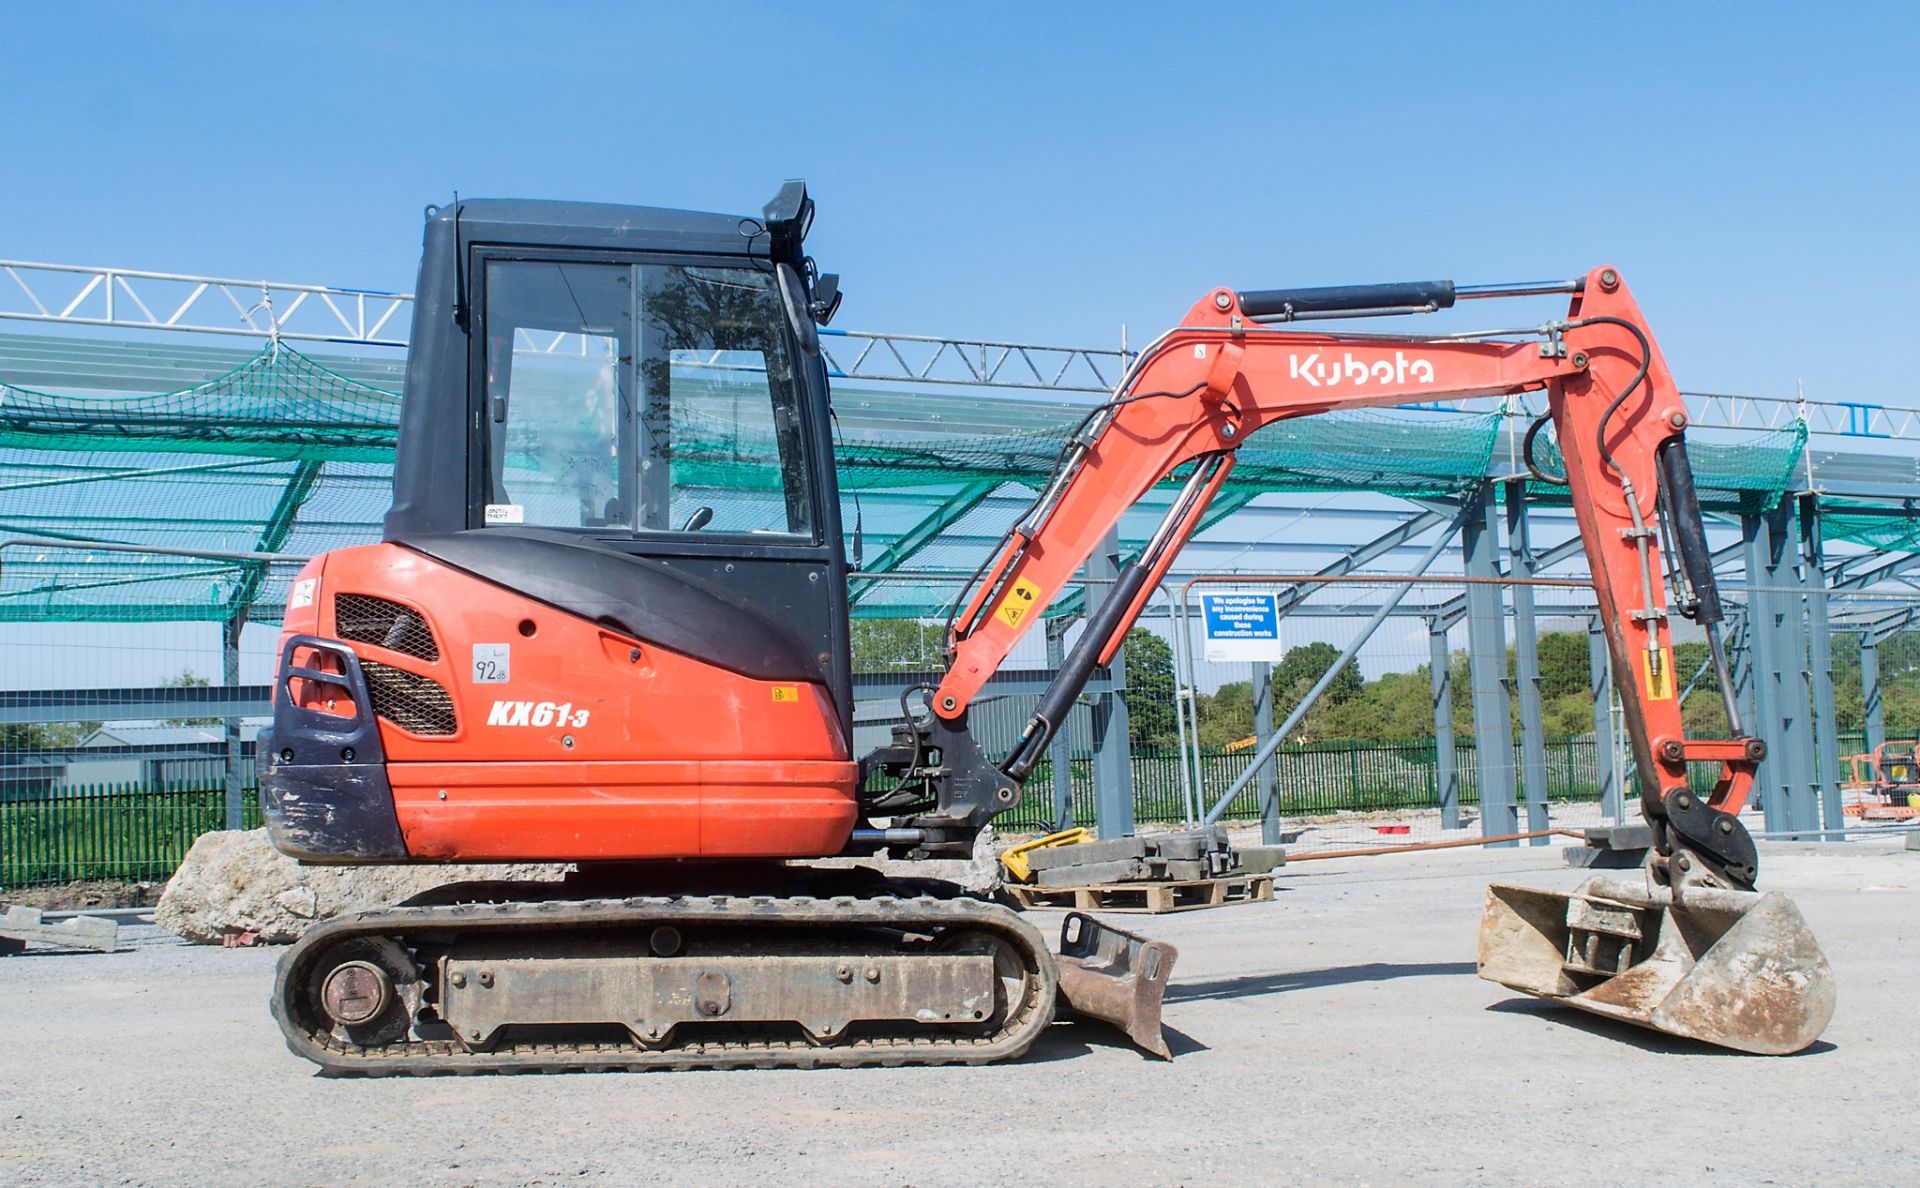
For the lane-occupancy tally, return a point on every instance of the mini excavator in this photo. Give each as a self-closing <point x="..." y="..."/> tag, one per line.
<point x="575" y="644"/>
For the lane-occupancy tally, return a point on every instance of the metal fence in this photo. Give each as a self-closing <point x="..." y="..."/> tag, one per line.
<point x="113" y="831"/>
<point x="1313" y="781"/>
<point x="130" y="832"/>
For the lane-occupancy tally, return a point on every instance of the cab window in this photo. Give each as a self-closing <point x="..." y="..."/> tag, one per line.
<point x="649" y="398"/>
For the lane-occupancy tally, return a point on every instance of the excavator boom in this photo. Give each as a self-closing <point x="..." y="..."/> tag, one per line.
<point x="1206" y="386"/>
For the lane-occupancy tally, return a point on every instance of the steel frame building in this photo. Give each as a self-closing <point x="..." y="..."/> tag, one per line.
<point x="1822" y="564"/>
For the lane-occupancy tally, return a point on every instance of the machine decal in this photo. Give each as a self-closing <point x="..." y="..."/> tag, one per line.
<point x="1316" y="372"/>
<point x="786" y="693"/>
<point x="506" y="513"/>
<point x="1018" y="602"/>
<point x="1659" y="681"/>
<point x="492" y="663"/>
<point x="302" y="594"/>
<point x="536" y="713"/>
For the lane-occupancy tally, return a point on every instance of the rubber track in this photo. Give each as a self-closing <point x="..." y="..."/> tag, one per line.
<point x="418" y="1057"/>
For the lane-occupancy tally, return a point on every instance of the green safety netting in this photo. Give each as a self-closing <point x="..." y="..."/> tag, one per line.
<point x="282" y="454"/>
<point x="1743" y="479"/>
<point x="278" y="404"/>
<point x="1890" y="526"/>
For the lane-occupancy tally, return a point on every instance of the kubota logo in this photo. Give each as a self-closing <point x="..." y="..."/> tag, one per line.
<point x="536" y="713"/>
<point x="1331" y="373"/>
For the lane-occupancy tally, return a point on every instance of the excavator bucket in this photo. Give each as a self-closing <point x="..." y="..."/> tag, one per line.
<point x="1116" y="977"/>
<point x="1738" y="969"/>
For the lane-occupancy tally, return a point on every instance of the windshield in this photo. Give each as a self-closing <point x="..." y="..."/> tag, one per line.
<point x="655" y="398"/>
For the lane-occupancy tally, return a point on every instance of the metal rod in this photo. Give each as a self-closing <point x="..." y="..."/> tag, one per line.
<point x="107" y="546"/>
<point x="1370" y="851"/>
<point x="1518" y="289"/>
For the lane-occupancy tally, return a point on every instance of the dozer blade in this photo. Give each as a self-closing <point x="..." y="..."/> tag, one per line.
<point x="1117" y="977"/>
<point x="1739" y="969"/>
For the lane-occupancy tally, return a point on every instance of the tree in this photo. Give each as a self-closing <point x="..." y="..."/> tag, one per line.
<point x="1296" y="675"/>
<point x="897" y="645"/>
<point x="1564" y="668"/>
<point x="188" y="679"/>
<point x="1150" y="689"/>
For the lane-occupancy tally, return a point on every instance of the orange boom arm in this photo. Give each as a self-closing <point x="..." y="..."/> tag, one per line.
<point x="1206" y="386"/>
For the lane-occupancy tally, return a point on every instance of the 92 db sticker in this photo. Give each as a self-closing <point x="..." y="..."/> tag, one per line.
<point x="492" y="663"/>
<point x="1018" y="603"/>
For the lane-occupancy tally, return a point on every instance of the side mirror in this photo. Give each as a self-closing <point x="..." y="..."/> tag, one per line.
<point x="793" y="296"/>
<point x="826" y="297"/>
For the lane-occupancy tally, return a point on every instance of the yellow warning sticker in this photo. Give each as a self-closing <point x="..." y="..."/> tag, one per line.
<point x="1019" y="601"/>
<point x="786" y="693"/>
<point x="1659" y="674"/>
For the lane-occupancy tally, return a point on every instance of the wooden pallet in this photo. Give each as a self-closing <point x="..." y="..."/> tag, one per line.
<point x="1150" y="897"/>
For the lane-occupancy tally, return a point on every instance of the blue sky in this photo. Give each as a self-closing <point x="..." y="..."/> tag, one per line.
<point x="1040" y="173"/>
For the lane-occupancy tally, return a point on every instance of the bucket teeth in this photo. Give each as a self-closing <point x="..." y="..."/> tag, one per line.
<point x="1738" y="969"/>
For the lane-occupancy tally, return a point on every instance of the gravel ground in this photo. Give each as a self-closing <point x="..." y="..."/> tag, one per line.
<point x="1336" y="1034"/>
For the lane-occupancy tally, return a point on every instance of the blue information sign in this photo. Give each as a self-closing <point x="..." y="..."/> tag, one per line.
<point x="1241" y="626"/>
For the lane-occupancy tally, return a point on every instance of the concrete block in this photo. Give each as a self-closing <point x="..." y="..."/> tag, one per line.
<point x="1184" y="870"/>
<point x="1913" y="840"/>
<point x="1619" y="837"/>
<point x="1181" y="847"/>
<point x="1600" y="858"/>
<point x="1093" y="873"/>
<point x="22" y="924"/>
<point x="1117" y="850"/>
<point x="1261" y="859"/>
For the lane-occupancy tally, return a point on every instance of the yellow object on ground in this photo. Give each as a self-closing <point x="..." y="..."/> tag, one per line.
<point x="1015" y="859"/>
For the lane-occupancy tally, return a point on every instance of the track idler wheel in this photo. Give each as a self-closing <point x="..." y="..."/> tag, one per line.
<point x="365" y="991"/>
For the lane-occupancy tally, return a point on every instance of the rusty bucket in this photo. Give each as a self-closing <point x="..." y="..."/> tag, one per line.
<point x="1738" y="969"/>
<point x="1115" y="977"/>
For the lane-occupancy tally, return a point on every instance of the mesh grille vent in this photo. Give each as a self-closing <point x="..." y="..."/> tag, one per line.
<point x="416" y="704"/>
<point x="362" y="618"/>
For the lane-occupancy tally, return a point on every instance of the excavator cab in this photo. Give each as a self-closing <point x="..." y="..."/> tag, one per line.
<point x="608" y="618"/>
<point x="633" y="380"/>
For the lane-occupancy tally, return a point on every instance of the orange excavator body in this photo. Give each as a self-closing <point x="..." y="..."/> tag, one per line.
<point x="597" y="746"/>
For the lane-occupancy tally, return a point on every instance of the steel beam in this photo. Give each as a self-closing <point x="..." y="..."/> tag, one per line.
<point x="1526" y="665"/>
<point x="24" y="706"/>
<point x="922" y="534"/>
<point x="1268" y="787"/>
<point x="1875" y="721"/>
<point x="1112" y="744"/>
<point x="1826" y="727"/>
<point x="1446" y="768"/>
<point x="1789" y="797"/>
<point x="1487" y="659"/>
<point x="230" y="677"/>
<point x="1600" y="674"/>
<point x="871" y="686"/>
<point x="1060" y="749"/>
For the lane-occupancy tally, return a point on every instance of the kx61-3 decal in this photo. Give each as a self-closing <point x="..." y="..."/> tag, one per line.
<point x="536" y="713"/>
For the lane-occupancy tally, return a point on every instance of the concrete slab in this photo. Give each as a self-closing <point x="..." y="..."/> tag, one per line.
<point x="1337" y="1033"/>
